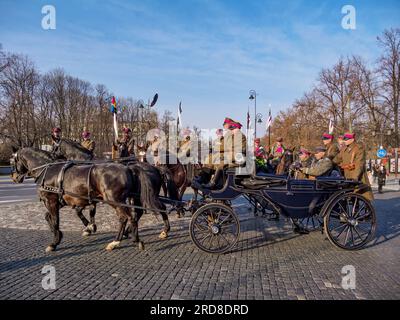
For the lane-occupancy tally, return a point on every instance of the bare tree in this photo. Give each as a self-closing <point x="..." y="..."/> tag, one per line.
<point x="389" y="72"/>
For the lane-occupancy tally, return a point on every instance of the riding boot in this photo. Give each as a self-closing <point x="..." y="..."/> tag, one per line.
<point x="215" y="179"/>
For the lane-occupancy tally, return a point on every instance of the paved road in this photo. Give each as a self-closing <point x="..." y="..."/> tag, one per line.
<point x="270" y="262"/>
<point x="11" y="192"/>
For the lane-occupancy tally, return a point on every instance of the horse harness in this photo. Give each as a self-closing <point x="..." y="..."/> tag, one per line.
<point x="59" y="188"/>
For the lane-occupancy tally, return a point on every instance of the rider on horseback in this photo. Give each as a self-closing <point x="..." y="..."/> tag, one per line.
<point x="87" y="142"/>
<point x="56" y="139"/>
<point x="126" y="144"/>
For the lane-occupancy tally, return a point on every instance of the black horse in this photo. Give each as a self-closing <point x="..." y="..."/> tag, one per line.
<point x="153" y="178"/>
<point x="81" y="184"/>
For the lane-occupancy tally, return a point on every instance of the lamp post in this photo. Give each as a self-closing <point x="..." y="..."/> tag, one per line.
<point x="145" y="108"/>
<point x="253" y="96"/>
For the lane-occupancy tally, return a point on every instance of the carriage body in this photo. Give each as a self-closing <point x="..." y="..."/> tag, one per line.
<point x="336" y="202"/>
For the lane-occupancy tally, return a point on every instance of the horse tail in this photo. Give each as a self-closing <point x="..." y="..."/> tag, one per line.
<point x="171" y="186"/>
<point x="148" y="196"/>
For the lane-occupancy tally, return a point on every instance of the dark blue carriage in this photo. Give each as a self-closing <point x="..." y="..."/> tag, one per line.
<point x="336" y="204"/>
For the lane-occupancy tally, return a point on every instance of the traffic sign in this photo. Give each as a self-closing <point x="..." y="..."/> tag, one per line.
<point x="381" y="153"/>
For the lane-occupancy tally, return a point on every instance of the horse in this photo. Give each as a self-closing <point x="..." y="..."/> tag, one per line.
<point x="80" y="184"/>
<point x="156" y="178"/>
<point x="182" y="176"/>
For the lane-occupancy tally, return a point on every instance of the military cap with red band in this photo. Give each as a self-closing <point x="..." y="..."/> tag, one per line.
<point x="349" y="136"/>
<point x="304" y="151"/>
<point x="327" y="136"/>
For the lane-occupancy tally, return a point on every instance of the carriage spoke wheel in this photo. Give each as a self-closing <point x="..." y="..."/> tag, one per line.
<point x="214" y="228"/>
<point x="350" y="221"/>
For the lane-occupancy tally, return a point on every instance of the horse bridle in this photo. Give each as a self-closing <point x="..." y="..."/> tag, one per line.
<point x="14" y="170"/>
<point x="15" y="159"/>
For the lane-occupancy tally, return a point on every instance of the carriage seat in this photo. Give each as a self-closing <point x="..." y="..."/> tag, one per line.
<point x="262" y="181"/>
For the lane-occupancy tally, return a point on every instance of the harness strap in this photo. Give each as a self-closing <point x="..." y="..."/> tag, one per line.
<point x="88" y="184"/>
<point x="60" y="180"/>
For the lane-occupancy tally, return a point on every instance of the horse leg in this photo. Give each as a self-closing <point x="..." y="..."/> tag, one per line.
<point x="124" y="215"/>
<point x="80" y="215"/>
<point x="134" y="226"/>
<point x="164" y="187"/>
<point x="86" y="232"/>
<point x="92" y="213"/>
<point x="180" y="210"/>
<point x="53" y="219"/>
<point x="167" y="227"/>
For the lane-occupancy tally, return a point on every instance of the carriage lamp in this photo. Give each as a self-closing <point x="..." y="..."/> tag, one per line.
<point x="259" y="118"/>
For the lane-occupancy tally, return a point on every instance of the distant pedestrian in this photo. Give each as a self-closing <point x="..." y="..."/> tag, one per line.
<point x="382" y="173"/>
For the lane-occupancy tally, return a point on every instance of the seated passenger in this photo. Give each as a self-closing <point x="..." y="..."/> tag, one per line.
<point x="306" y="159"/>
<point x="322" y="166"/>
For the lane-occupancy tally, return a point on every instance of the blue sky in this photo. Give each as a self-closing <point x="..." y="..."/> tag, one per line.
<point x="207" y="53"/>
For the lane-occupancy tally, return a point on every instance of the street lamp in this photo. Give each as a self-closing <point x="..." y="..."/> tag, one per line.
<point x="145" y="107"/>
<point x="253" y="96"/>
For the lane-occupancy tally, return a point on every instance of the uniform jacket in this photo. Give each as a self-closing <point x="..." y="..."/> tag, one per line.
<point x="319" y="167"/>
<point x="89" y="144"/>
<point x="305" y="164"/>
<point x="354" y="154"/>
<point x="332" y="150"/>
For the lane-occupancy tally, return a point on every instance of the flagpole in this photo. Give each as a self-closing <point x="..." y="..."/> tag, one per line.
<point x="269" y="130"/>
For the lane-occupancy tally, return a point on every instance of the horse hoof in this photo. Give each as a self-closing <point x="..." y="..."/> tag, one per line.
<point x="111" y="246"/>
<point x="50" y="249"/>
<point x="141" y="246"/>
<point x="163" y="235"/>
<point x="86" y="233"/>
<point x="92" y="228"/>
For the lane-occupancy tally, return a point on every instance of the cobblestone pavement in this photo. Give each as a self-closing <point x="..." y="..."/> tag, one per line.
<point x="269" y="262"/>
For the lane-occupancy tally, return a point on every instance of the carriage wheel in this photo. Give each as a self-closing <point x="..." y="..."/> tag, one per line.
<point x="350" y="221"/>
<point x="214" y="228"/>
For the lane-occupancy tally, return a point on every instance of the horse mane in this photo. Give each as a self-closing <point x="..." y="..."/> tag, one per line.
<point x="76" y="145"/>
<point x="39" y="153"/>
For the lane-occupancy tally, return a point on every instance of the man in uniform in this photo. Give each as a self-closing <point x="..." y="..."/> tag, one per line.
<point x="321" y="166"/>
<point x="231" y="154"/>
<point x="155" y="148"/>
<point x="184" y="149"/>
<point x="341" y="143"/>
<point x="56" y="138"/>
<point x="352" y="161"/>
<point x="331" y="148"/>
<point x="277" y="152"/>
<point x="306" y="161"/>
<point x="128" y="142"/>
<point x="87" y="142"/>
